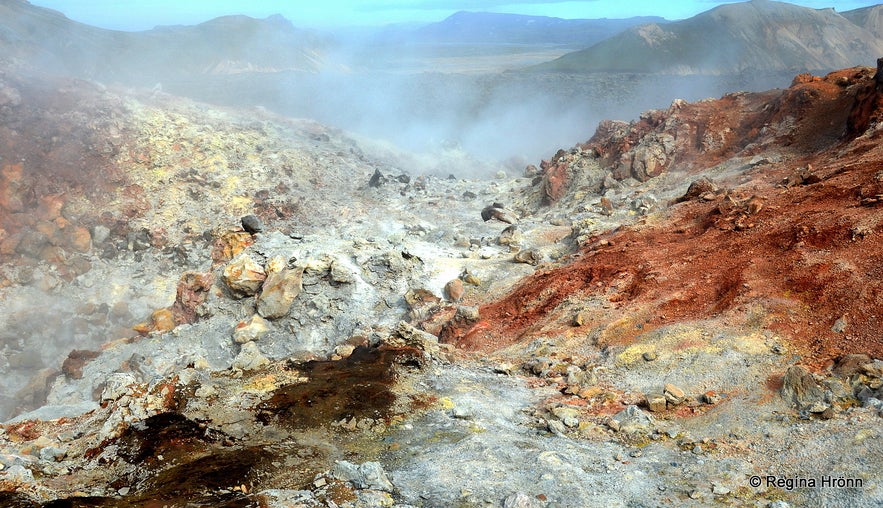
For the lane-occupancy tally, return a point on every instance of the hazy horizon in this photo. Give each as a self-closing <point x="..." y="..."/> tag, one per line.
<point x="139" y="15"/>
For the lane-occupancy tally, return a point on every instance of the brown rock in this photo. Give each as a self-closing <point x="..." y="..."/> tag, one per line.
<point x="163" y="320"/>
<point x="192" y="291"/>
<point x="79" y="239"/>
<point x="455" y="290"/>
<point x="800" y="388"/>
<point x="244" y="276"/>
<point x="280" y="289"/>
<point x="699" y="189"/>
<point x="230" y="245"/>
<point x="528" y="256"/>
<point x="655" y="402"/>
<point x="75" y="361"/>
<point x="554" y="183"/>
<point x="673" y="394"/>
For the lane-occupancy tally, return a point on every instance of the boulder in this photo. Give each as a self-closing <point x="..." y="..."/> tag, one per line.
<point x="800" y="388"/>
<point x="369" y="475"/>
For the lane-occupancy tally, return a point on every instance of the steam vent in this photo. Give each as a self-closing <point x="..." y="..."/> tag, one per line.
<point x="487" y="260"/>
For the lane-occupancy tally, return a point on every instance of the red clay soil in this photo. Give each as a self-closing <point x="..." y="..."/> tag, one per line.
<point x="806" y="257"/>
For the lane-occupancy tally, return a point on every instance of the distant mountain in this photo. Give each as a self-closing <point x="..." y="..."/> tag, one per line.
<point x="759" y="35"/>
<point x="492" y="28"/>
<point x="44" y="39"/>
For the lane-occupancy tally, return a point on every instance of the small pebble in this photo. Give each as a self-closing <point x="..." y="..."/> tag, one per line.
<point x="649" y="356"/>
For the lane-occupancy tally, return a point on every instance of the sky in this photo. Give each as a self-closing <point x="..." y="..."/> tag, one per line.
<point x="146" y="14"/>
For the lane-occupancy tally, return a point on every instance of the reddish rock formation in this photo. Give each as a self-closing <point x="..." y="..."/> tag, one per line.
<point x="806" y="255"/>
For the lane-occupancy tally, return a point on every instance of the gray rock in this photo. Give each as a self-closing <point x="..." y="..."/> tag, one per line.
<point x="873" y="403"/>
<point x="18" y="474"/>
<point x="518" y="500"/>
<point x="249" y="358"/>
<point x="252" y="224"/>
<point x="99" y="234"/>
<point x="556" y="427"/>
<point x="52" y="454"/>
<point x="369" y="475"/>
<point x="800" y="388"/>
<point x="632" y="419"/>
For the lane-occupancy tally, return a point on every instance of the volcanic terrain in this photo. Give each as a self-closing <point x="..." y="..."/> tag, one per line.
<point x="210" y="306"/>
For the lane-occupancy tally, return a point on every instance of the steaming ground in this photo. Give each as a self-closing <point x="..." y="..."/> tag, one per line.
<point x="501" y="118"/>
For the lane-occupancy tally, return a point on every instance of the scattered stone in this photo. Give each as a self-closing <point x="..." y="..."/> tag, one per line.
<point x="250" y="330"/>
<point x="510" y="236"/>
<point x="519" y="500"/>
<point x="407" y="335"/>
<point x="504" y="368"/>
<point x="577" y="379"/>
<point x="100" y="234"/>
<point x="461" y="413"/>
<point x="454" y="290"/>
<point x="850" y="365"/>
<point x="244" y="276"/>
<point x="528" y="256"/>
<point x="839" y="325"/>
<point x="467" y="314"/>
<point x="75" y="361"/>
<point x="52" y="454"/>
<point x="344" y="350"/>
<point x="702" y="189"/>
<point x="606" y="206"/>
<point x="279" y="290"/>
<point x="341" y="273"/>
<point x="369" y="475"/>
<point x="655" y="402"/>
<point x="649" y="356"/>
<point x="252" y="224"/>
<point x="249" y="358"/>
<point x="632" y="419"/>
<point x="673" y="394"/>
<point x="581" y="318"/>
<point x="711" y="397"/>
<point x="377" y="179"/>
<point x="556" y="427"/>
<point x="497" y="211"/>
<point x="697" y="450"/>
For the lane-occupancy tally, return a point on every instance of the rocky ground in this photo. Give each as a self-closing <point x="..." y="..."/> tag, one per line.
<point x="206" y="307"/>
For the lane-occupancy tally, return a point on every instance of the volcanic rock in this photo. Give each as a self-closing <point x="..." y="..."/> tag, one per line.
<point x="454" y="290"/>
<point x="249" y="358"/>
<point x="244" y="276"/>
<point x="250" y="330"/>
<point x="281" y="287"/>
<point x="252" y="224"/>
<point x="800" y="388"/>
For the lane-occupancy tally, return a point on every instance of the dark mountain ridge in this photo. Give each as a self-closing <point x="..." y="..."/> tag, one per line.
<point x="44" y="39"/>
<point x="759" y="35"/>
<point x="486" y="27"/>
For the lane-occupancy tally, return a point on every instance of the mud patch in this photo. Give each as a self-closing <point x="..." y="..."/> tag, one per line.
<point x="359" y="386"/>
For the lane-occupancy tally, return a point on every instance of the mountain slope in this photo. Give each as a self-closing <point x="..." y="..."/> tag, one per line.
<point x="487" y="27"/>
<point x="758" y="36"/>
<point x="43" y="39"/>
<point x="870" y="18"/>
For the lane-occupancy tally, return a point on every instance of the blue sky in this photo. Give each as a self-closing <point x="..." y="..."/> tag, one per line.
<point x="145" y="14"/>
